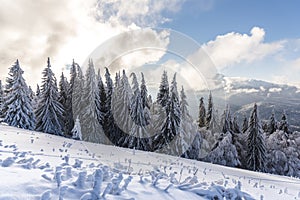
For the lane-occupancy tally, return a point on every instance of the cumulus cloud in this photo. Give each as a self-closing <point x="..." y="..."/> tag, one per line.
<point x="31" y="31"/>
<point x="233" y="48"/>
<point x="141" y="12"/>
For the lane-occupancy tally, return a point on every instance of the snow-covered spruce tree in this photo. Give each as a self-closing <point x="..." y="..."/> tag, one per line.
<point x="283" y="153"/>
<point x="108" y="123"/>
<point x="121" y="109"/>
<point x="283" y="124"/>
<point x="225" y="153"/>
<point x="91" y="129"/>
<point x="1" y="99"/>
<point x="245" y="125"/>
<point x="163" y="94"/>
<point x="256" y="152"/>
<point x="202" y="114"/>
<point x="188" y="142"/>
<point x="17" y="107"/>
<point x="171" y="127"/>
<point x="76" y="131"/>
<point x="272" y="124"/>
<point x="138" y="116"/>
<point x="209" y="110"/>
<point x="226" y="120"/>
<point x="63" y="100"/>
<point x="49" y="110"/>
<point x="145" y="102"/>
<point x="77" y="93"/>
<point x="69" y="107"/>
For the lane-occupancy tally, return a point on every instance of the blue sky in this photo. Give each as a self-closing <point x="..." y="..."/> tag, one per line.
<point x="254" y="38"/>
<point x="204" y="20"/>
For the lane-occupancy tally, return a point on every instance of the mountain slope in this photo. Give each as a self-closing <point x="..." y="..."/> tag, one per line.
<point x="36" y="166"/>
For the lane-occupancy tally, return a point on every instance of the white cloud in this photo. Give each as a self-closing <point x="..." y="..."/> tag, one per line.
<point x="233" y="48"/>
<point x="141" y="12"/>
<point x="31" y="31"/>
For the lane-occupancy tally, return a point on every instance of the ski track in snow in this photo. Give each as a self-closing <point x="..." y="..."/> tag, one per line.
<point x="35" y="165"/>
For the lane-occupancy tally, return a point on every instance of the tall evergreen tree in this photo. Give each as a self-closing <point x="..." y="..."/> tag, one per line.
<point x="171" y="126"/>
<point x="145" y="100"/>
<point x="227" y="124"/>
<point x="69" y="102"/>
<point x="283" y="124"/>
<point x="209" y="110"/>
<point x="91" y="129"/>
<point x="63" y="100"/>
<point x="121" y="109"/>
<point x="108" y="123"/>
<point x="17" y="107"/>
<point x="256" y="155"/>
<point x="202" y="114"/>
<point x="49" y="110"/>
<point x="1" y="99"/>
<point x="272" y="123"/>
<point x="77" y="93"/>
<point x="163" y="94"/>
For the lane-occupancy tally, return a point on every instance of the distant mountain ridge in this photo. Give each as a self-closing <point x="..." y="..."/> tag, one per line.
<point x="242" y="93"/>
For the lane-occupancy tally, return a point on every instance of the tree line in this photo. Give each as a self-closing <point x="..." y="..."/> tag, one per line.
<point x="123" y="114"/>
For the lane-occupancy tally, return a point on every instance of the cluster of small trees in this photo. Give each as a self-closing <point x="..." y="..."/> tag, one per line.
<point x="123" y="114"/>
<point x="255" y="146"/>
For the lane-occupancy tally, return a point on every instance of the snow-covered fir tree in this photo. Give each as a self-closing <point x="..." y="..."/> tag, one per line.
<point x="209" y="110"/>
<point x="17" y="106"/>
<point x="69" y="101"/>
<point x="202" y="114"/>
<point x="272" y="123"/>
<point x="108" y="123"/>
<point x="171" y="127"/>
<point x="49" y="111"/>
<point x="226" y="121"/>
<point x="1" y="99"/>
<point x="91" y="130"/>
<point x="77" y="93"/>
<point x="145" y="102"/>
<point x="121" y="109"/>
<point x="138" y="116"/>
<point x="256" y="156"/>
<point x="63" y="100"/>
<point x="76" y="131"/>
<point x="163" y="94"/>
<point x="283" y="153"/>
<point x="283" y="124"/>
<point x="188" y="142"/>
<point x="225" y="153"/>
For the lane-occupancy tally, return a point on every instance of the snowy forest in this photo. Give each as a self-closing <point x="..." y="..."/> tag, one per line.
<point x="120" y="112"/>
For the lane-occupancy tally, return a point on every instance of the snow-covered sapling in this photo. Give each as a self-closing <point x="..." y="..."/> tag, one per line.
<point x="107" y="190"/>
<point x="58" y="178"/>
<point x="97" y="184"/>
<point x="116" y="184"/>
<point x="126" y="182"/>
<point x="80" y="182"/>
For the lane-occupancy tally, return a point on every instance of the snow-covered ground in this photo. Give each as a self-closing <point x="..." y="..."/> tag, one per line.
<point x="35" y="165"/>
